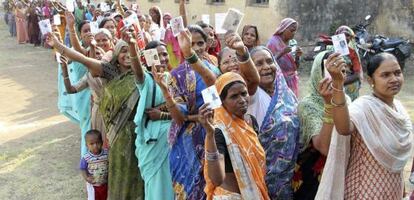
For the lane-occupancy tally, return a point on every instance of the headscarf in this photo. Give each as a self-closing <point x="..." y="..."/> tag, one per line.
<point x="117" y="50"/>
<point x="242" y="142"/>
<point x="284" y="24"/>
<point x="346" y="30"/>
<point x="279" y="136"/>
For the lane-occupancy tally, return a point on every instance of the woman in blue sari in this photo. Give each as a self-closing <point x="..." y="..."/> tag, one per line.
<point x="186" y="136"/>
<point x="279" y="130"/>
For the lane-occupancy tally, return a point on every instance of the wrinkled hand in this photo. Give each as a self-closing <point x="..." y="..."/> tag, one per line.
<point x="336" y="66"/>
<point x="153" y="113"/>
<point x="234" y="41"/>
<point x="89" y="38"/>
<point x="325" y="90"/>
<point x="159" y="79"/>
<point x="205" y="118"/>
<point x="185" y="42"/>
<point x="70" y="19"/>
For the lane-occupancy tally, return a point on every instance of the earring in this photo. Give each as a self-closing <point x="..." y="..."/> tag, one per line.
<point x="372" y="85"/>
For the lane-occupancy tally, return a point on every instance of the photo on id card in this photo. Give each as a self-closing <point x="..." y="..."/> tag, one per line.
<point x="340" y="44"/>
<point x="151" y="57"/>
<point x="232" y="20"/>
<point x="177" y="25"/>
<point x="45" y="26"/>
<point x="211" y="96"/>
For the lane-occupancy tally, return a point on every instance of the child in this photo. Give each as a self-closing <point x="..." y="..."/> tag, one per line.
<point x="94" y="166"/>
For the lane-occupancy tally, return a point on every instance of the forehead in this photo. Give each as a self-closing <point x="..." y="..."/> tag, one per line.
<point x="228" y="53"/>
<point x="388" y="65"/>
<point x="196" y="37"/>
<point x="251" y="30"/>
<point x="208" y="29"/>
<point x="261" y="54"/>
<point x="101" y="35"/>
<point x="236" y="88"/>
<point x="161" y="49"/>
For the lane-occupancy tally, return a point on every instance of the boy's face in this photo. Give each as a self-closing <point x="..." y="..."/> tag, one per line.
<point x="94" y="144"/>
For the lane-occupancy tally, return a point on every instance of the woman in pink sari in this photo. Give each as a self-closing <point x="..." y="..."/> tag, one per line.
<point x="21" y="24"/>
<point x="287" y="54"/>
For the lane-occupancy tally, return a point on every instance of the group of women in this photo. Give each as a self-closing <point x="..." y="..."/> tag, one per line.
<point x="165" y="142"/>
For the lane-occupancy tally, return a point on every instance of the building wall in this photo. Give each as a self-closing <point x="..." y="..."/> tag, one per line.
<point x="390" y="17"/>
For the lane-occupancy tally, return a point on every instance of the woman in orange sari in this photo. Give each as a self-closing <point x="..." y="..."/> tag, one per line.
<point x="234" y="159"/>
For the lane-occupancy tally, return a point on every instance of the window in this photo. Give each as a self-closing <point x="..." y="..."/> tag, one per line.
<point x="178" y="1"/>
<point x="215" y="1"/>
<point x="154" y="0"/>
<point x="259" y="3"/>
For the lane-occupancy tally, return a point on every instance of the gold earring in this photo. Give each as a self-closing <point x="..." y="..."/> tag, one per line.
<point x="372" y="85"/>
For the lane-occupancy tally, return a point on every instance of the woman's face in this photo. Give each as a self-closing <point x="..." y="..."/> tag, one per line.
<point x="229" y="62"/>
<point x="211" y="41"/>
<point x="85" y="32"/>
<point x="164" y="58"/>
<point x="199" y="45"/>
<point x="99" y="54"/>
<point x="154" y="14"/>
<point x="123" y="58"/>
<point x="237" y="100"/>
<point x="249" y="37"/>
<point x="142" y="21"/>
<point x="387" y="79"/>
<point x="166" y="20"/>
<point x="110" y="25"/>
<point x="265" y="66"/>
<point x="290" y="31"/>
<point x="148" y="24"/>
<point x="103" y="41"/>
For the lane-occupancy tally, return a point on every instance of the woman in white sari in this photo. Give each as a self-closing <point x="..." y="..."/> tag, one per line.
<point x="373" y="137"/>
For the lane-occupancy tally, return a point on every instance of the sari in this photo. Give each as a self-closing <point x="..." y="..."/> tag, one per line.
<point x="242" y="143"/>
<point x="21" y="26"/>
<point x="187" y="140"/>
<point x="33" y="26"/>
<point x="310" y="162"/>
<point x="387" y="135"/>
<point x="279" y="136"/>
<point x="151" y="143"/>
<point x="76" y="107"/>
<point x="173" y="48"/>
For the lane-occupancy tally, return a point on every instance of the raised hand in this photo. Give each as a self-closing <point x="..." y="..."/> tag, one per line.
<point x="325" y="90"/>
<point x="336" y="66"/>
<point x="64" y="60"/>
<point x="128" y="35"/>
<point x="70" y="19"/>
<point x="185" y="42"/>
<point x="234" y="41"/>
<point x="205" y="118"/>
<point x="51" y="39"/>
<point x="159" y="79"/>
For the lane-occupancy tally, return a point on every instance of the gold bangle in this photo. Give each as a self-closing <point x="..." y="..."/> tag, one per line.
<point x="336" y="89"/>
<point x="338" y="105"/>
<point x="327" y="120"/>
<point x="328" y="106"/>
<point x="133" y="57"/>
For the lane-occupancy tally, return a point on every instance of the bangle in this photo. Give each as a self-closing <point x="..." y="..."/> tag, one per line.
<point x="214" y="156"/>
<point x="133" y="57"/>
<point x="328" y="106"/>
<point x="192" y="59"/>
<point x="65" y="77"/>
<point x="338" y="105"/>
<point x="327" y="120"/>
<point x="171" y="106"/>
<point x="336" y="89"/>
<point x="243" y="58"/>
<point x="60" y="49"/>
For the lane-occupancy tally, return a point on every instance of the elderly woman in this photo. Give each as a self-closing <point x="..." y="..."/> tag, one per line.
<point x="250" y="36"/>
<point x="372" y="136"/>
<point x="281" y="46"/>
<point x="117" y="105"/>
<point x="231" y="172"/>
<point x="274" y="106"/>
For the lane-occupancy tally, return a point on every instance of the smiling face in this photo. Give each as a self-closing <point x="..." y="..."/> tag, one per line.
<point x="249" y="37"/>
<point x="199" y="45"/>
<point x="387" y="79"/>
<point x="103" y="41"/>
<point x="211" y="40"/>
<point x="237" y="100"/>
<point x="265" y="66"/>
<point x="164" y="58"/>
<point x="123" y="58"/>
<point x="110" y="25"/>
<point x="229" y="62"/>
<point x="85" y="31"/>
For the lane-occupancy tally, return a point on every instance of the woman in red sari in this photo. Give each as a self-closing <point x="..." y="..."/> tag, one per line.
<point x="21" y="24"/>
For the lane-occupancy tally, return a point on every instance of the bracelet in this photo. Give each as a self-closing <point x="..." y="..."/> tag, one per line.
<point x="66" y="77"/>
<point x="60" y="49"/>
<point x="243" y="58"/>
<point x="327" y="120"/>
<point x="214" y="156"/>
<point x="338" y="105"/>
<point x="336" y="89"/>
<point x="170" y="106"/>
<point x="133" y="57"/>
<point x="328" y="106"/>
<point x="192" y="59"/>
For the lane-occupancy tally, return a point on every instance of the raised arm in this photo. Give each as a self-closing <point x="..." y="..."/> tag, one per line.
<point x="185" y="42"/>
<point x="64" y="65"/>
<point x="119" y="8"/>
<point x="247" y="68"/>
<point x="94" y="66"/>
<point x="74" y="40"/>
<point x="336" y="67"/>
<point x="183" y="12"/>
<point x="128" y="36"/>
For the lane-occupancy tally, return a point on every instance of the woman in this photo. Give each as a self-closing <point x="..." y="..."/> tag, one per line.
<point x="230" y="170"/>
<point x="213" y="42"/>
<point x="104" y="40"/>
<point x="274" y="106"/>
<point x="21" y="24"/>
<point x="33" y="24"/>
<point x="152" y="124"/>
<point x="186" y="136"/>
<point x="84" y="30"/>
<point x="117" y="107"/>
<point x="366" y="160"/>
<point x="280" y="46"/>
<point x="157" y="26"/>
<point x="250" y="36"/>
<point x="315" y="114"/>
<point x="109" y="24"/>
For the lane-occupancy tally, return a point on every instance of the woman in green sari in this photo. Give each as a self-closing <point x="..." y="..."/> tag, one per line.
<point x="117" y="107"/>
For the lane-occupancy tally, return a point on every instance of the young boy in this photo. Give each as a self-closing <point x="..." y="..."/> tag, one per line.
<point x="94" y="166"/>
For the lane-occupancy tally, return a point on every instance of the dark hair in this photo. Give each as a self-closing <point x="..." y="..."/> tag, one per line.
<point x="376" y="61"/>
<point x="80" y="25"/>
<point x="106" y="19"/>
<point x="202" y="24"/>
<point x="226" y="88"/>
<point x="327" y="54"/>
<point x="220" y="55"/>
<point x="247" y="27"/>
<point x="154" y="44"/>
<point x="94" y="132"/>
<point x="159" y="13"/>
<point x="198" y="29"/>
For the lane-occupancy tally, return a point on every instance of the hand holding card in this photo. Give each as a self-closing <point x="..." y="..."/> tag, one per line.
<point x="45" y="26"/>
<point x="177" y="25"/>
<point x="232" y="20"/>
<point x="130" y="20"/>
<point x="151" y="57"/>
<point x="340" y="44"/>
<point x="211" y="96"/>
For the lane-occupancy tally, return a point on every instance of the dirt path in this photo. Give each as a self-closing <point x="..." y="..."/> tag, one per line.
<point x="39" y="148"/>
